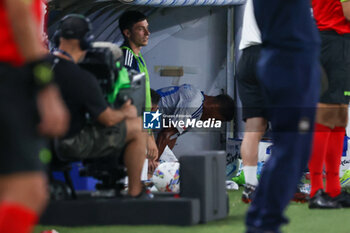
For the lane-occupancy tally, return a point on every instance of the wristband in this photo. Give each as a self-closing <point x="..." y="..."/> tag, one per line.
<point x="42" y="74"/>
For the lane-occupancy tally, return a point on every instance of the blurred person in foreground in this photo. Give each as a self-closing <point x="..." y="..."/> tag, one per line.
<point x="289" y="72"/>
<point x="29" y="105"/>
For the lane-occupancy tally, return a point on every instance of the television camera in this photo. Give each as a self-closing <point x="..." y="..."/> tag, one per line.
<point x="104" y="60"/>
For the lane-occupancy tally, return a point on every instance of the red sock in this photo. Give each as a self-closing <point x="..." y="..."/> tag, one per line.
<point x="319" y="148"/>
<point x="15" y="218"/>
<point x="333" y="159"/>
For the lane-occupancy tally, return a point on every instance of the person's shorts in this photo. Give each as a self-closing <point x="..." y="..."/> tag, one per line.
<point x="335" y="60"/>
<point x="20" y="144"/>
<point x="94" y="141"/>
<point x="249" y="87"/>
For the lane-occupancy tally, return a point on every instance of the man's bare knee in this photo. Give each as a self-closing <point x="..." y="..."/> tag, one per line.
<point x="133" y="125"/>
<point x="327" y="114"/>
<point x="256" y="124"/>
<point x="133" y="128"/>
<point x="342" y="116"/>
<point x="27" y="189"/>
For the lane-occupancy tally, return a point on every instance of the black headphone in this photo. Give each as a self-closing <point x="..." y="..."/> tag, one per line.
<point x="85" y="40"/>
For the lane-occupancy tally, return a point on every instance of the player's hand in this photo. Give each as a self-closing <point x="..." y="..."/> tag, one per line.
<point x="53" y="113"/>
<point x="129" y="110"/>
<point x="152" y="149"/>
<point x="152" y="165"/>
<point x="165" y="139"/>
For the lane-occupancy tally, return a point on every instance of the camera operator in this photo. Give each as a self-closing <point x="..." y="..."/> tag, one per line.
<point x="116" y="132"/>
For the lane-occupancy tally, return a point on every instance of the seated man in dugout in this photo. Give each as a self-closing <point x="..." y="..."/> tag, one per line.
<point x="114" y="132"/>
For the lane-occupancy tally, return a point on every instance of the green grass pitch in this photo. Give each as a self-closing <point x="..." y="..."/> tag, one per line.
<point x="302" y="220"/>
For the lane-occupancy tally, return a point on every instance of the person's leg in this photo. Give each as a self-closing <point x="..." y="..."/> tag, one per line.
<point x="254" y="130"/>
<point x="283" y="170"/>
<point x="333" y="159"/>
<point x="135" y="154"/>
<point x="23" y="190"/>
<point x="250" y="93"/>
<point x="325" y="117"/>
<point x="23" y="198"/>
<point x="288" y="70"/>
<point x="334" y="153"/>
<point x="327" y="150"/>
<point x="335" y="60"/>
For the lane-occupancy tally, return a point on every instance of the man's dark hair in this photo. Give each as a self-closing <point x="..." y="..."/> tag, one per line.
<point x="227" y="106"/>
<point x="129" y="18"/>
<point x="155" y="97"/>
<point x="74" y="26"/>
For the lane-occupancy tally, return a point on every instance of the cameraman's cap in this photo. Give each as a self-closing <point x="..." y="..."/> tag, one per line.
<point x="74" y="26"/>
